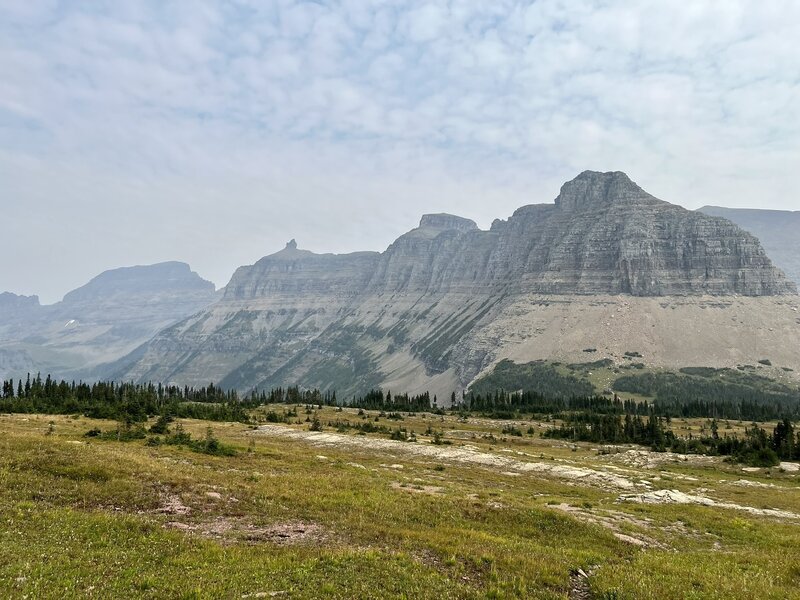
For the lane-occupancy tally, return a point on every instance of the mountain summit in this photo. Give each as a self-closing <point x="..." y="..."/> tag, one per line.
<point x="607" y="266"/>
<point x="592" y="190"/>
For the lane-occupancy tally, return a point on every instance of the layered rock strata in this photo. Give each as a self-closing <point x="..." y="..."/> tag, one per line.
<point x="447" y="300"/>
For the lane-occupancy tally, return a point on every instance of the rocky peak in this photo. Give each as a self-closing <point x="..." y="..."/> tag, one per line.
<point x="444" y="221"/>
<point x="592" y="190"/>
<point x="10" y="301"/>
<point x="289" y="254"/>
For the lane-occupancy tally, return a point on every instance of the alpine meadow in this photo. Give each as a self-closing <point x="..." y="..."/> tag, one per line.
<point x="440" y="299"/>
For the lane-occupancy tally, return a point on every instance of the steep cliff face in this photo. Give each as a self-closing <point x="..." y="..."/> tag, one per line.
<point x="270" y="311"/>
<point x="294" y="272"/>
<point x="603" y="235"/>
<point x="424" y="314"/>
<point x="777" y="230"/>
<point x="606" y="235"/>
<point x="102" y="320"/>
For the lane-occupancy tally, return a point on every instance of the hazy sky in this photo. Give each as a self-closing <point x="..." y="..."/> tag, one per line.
<point x="136" y="132"/>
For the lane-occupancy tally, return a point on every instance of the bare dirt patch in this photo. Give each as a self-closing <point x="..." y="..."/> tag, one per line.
<point x="413" y="488"/>
<point x="240" y="530"/>
<point x="171" y="503"/>
<point x="296" y="532"/>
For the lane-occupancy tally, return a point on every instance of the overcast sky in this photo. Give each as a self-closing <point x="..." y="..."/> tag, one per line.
<point x="137" y="132"/>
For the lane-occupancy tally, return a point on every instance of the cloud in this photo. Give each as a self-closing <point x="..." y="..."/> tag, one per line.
<point x="210" y="132"/>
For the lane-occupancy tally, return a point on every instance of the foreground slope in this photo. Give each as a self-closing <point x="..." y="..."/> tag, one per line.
<point x="304" y="514"/>
<point x="447" y="300"/>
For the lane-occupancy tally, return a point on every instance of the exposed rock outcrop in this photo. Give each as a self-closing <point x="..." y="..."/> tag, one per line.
<point x="777" y="230"/>
<point x="447" y="300"/>
<point x="12" y="303"/>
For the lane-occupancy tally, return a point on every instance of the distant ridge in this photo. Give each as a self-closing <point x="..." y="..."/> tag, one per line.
<point x="98" y="322"/>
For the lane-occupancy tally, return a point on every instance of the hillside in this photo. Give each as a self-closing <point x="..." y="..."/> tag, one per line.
<point x="606" y="266"/>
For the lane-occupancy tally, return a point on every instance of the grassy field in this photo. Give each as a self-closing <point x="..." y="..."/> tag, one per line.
<point x="335" y="514"/>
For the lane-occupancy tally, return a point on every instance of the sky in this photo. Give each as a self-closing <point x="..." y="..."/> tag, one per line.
<point x="214" y="132"/>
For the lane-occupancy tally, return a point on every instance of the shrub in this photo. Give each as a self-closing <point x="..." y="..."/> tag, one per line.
<point x="161" y="426"/>
<point x="760" y="457"/>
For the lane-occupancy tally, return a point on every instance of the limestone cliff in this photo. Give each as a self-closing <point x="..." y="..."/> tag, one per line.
<point x="447" y="300"/>
<point x="777" y="230"/>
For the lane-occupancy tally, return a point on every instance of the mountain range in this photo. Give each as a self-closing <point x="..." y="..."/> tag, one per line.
<point x="107" y="318"/>
<point x="606" y="271"/>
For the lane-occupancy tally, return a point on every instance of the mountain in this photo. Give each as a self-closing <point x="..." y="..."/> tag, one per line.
<point x="14" y="308"/>
<point x="778" y="230"/>
<point x="12" y="303"/>
<point x="101" y="321"/>
<point x="607" y="266"/>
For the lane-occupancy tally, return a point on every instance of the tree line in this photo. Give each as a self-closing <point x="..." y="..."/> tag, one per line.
<point x="757" y="447"/>
<point x="125" y="401"/>
<point x="501" y="404"/>
<point x="136" y="402"/>
<point x="592" y="418"/>
<point x="372" y="400"/>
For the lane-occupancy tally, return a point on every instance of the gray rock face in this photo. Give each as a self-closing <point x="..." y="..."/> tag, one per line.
<point x="164" y="292"/>
<point x="778" y="231"/>
<point x="604" y="234"/>
<point x="292" y="271"/>
<point x="592" y="191"/>
<point x="141" y="281"/>
<point x="13" y="303"/>
<point x="444" y="222"/>
<point x="16" y="314"/>
<point x="437" y="306"/>
<point x="14" y="308"/>
<point x="101" y="321"/>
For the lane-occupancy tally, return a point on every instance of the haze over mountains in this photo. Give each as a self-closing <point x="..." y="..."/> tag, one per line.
<point x="108" y="317"/>
<point x="606" y="267"/>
